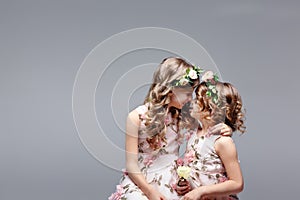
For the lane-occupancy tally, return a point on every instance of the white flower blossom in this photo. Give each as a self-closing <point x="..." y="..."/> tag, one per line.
<point x="193" y="74"/>
<point x="183" y="172"/>
<point x="183" y="81"/>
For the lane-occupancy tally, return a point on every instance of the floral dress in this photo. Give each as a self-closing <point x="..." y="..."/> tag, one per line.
<point x="157" y="166"/>
<point x="206" y="166"/>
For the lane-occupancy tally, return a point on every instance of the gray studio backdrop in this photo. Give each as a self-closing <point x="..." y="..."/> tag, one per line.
<point x="254" y="44"/>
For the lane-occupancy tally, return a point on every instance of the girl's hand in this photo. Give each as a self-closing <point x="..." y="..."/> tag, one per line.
<point x="155" y="195"/>
<point x="183" y="187"/>
<point x="221" y="129"/>
<point x="195" y="194"/>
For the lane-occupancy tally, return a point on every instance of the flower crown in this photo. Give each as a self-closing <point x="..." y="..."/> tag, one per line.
<point x="210" y="80"/>
<point x="190" y="75"/>
<point x="208" y="77"/>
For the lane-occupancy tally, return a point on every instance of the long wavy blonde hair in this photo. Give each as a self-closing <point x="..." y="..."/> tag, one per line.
<point x="229" y="108"/>
<point x="166" y="75"/>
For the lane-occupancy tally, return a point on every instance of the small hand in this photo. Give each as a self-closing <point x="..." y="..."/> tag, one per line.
<point x="183" y="187"/>
<point x="221" y="129"/>
<point x="156" y="196"/>
<point x="195" y="194"/>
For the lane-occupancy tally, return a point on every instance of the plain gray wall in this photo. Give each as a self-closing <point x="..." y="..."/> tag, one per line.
<point x="255" y="45"/>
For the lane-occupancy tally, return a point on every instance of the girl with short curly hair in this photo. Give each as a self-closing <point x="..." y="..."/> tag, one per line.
<point x="215" y="170"/>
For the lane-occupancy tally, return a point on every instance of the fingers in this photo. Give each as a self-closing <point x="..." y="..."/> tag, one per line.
<point x="183" y="183"/>
<point x="216" y="129"/>
<point x="181" y="190"/>
<point x="220" y="129"/>
<point x="163" y="198"/>
<point x="226" y="130"/>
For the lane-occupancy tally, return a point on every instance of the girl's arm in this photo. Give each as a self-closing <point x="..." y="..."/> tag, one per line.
<point x="132" y="126"/>
<point x="226" y="149"/>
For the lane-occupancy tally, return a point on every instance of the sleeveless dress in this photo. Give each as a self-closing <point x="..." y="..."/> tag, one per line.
<point x="157" y="166"/>
<point x="206" y="166"/>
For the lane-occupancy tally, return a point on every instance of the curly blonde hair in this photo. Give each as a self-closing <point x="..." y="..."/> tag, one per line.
<point x="166" y="75"/>
<point x="229" y="108"/>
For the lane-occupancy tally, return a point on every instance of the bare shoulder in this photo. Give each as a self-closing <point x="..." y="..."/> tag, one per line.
<point x="224" y="142"/>
<point x="133" y="114"/>
<point x="133" y="117"/>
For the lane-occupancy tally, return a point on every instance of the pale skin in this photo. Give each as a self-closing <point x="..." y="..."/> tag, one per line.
<point x="226" y="150"/>
<point x="178" y="97"/>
